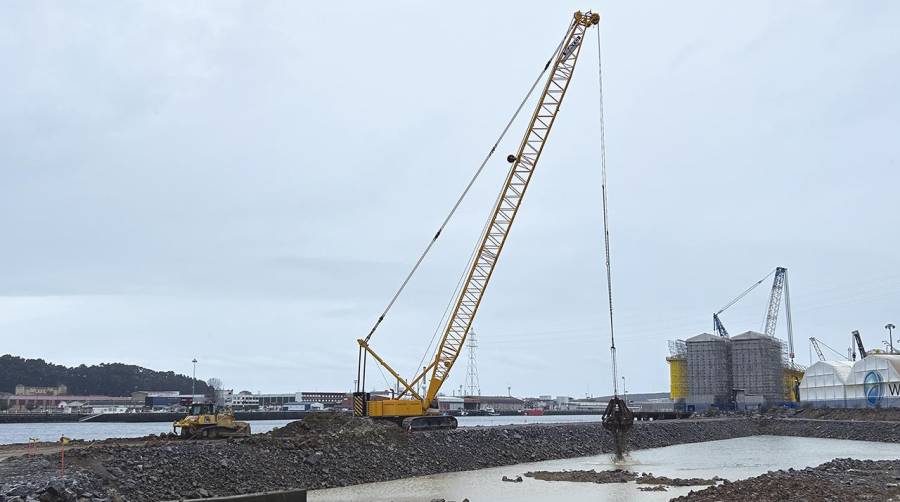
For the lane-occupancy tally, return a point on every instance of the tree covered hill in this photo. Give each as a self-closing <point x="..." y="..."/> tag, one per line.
<point x="109" y="379"/>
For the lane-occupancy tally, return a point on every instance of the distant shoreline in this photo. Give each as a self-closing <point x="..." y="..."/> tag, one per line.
<point x="37" y="418"/>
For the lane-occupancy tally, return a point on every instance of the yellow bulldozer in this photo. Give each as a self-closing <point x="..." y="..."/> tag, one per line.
<point x="205" y="422"/>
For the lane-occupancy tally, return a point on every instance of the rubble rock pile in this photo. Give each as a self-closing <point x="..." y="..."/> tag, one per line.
<point x="618" y="476"/>
<point x="884" y="431"/>
<point x="650" y="479"/>
<point x="37" y="478"/>
<point x="592" y="476"/>
<point x="338" y="426"/>
<point x="658" y="488"/>
<point x="836" y="481"/>
<point x="867" y="414"/>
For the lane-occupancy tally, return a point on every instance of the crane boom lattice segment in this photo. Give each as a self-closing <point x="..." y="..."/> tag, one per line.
<point x="508" y="203"/>
<point x="815" y="344"/>
<point x="718" y="327"/>
<point x="775" y="301"/>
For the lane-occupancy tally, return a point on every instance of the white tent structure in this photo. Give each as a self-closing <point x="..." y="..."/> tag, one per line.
<point x="824" y="384"/>
<point x="873" y="381"/>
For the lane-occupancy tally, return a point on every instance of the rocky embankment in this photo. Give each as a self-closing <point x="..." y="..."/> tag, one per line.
<point x="866" y="414"/>
<point x="836" y="481"/>
<point x="887" y="432"/>
<point x="327" y="450"/>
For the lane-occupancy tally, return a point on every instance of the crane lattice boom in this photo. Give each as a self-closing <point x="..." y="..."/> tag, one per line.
<point x="504" y="213"/>
<point x="775" y="301"/>
<point x="815" y="344"/>
<point x="409" y="403"/>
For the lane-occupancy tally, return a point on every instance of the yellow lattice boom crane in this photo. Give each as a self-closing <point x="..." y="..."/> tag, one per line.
<point x="415" y="410"/>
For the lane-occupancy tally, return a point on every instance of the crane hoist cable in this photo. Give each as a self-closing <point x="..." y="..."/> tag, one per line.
<point x="612" y="335"/>
<point x="617" y="418"/>
<point x="466" y="190"/>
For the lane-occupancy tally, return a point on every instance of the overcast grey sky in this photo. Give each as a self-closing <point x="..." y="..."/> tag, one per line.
<point x="247" y="183"/>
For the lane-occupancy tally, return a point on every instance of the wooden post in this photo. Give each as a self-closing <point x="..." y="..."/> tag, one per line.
<point x="63" y="441"/>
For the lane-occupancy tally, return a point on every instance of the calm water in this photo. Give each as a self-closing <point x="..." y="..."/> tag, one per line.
<point x="731" y="459"/>
<point x="19" y="433"/>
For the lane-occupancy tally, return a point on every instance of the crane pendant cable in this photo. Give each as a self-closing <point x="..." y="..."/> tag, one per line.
<point x="466" y="190"/>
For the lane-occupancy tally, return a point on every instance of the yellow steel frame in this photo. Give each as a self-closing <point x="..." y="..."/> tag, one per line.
<point x="496" y="232"/>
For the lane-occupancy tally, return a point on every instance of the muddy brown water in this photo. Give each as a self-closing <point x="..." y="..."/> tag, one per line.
<point x="731" y="459"/>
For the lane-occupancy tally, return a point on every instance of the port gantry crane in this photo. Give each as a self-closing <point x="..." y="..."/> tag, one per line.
<point x="415" y="411"/>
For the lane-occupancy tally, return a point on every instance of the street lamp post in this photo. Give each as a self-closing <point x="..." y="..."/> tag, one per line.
<point x="890" y="327"/>
<point x="194" y="380"/>
<point x="624" y="390"/>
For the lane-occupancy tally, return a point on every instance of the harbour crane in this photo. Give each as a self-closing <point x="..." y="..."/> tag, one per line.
<point x="818" y="344"/>
<point x="780" y="289"/>
<point x="415" y="411"/>
<point x="815" y="345"/>
<point x="858" y="340"/>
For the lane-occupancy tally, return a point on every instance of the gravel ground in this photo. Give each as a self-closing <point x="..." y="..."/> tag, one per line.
<point x="837" y="481"/>
<point x="330" y="451"/>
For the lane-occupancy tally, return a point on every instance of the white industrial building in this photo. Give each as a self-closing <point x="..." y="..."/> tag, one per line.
<point x="824" y="384"/>
<point x="873" y="381"/>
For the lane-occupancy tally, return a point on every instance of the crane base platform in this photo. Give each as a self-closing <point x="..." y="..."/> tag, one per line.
<point x="428" y="423"/>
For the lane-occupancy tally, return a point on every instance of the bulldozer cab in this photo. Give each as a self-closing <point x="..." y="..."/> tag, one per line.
<point x="198" y="409"/>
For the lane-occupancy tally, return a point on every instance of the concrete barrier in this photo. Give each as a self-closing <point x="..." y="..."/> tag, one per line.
<point x="279" y="496"/>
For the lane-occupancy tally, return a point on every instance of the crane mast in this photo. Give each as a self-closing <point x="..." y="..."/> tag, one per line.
<point x="775" y="301"/>
<point x="780" y="289"/>
<point x="859" y="343"/>
<point x="481" y="268"/>
<point x="815" y="344"/>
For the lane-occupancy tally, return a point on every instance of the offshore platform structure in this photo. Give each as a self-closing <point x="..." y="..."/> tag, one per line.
<point x="753" y="364"/>
<point x="415" y="411"/>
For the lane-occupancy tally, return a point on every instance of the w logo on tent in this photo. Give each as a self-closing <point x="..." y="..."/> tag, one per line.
<point x="873" y="386"/>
